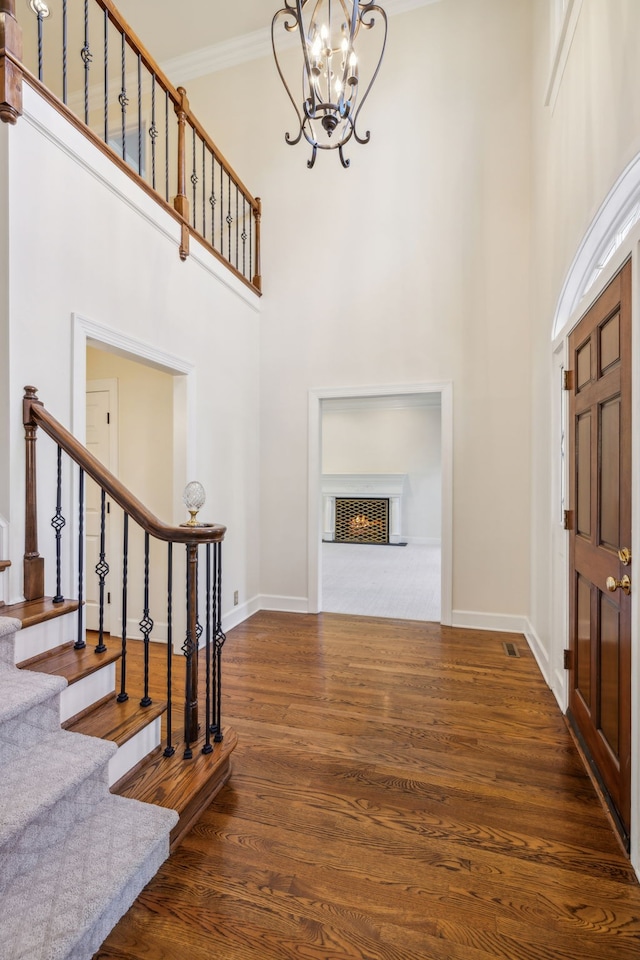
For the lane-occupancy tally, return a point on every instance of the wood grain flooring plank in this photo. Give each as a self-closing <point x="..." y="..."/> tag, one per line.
<point x="400" y="791"/>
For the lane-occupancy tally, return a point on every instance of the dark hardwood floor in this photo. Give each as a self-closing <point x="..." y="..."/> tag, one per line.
<point x="401" y="791"/>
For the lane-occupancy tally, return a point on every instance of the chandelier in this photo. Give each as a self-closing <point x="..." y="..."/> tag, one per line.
<point x="336" y="79"/>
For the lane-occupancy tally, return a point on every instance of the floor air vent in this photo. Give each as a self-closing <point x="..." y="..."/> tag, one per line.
<point x="511" y="650"/>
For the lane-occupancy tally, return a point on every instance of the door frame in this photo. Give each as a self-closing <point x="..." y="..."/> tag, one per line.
<point x="314" y="559"/>
<point x="85" y="332"/>
<point x="560" y="570"/>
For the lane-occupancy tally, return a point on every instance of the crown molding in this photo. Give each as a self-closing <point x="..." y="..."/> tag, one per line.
<point x="249" y="46"/>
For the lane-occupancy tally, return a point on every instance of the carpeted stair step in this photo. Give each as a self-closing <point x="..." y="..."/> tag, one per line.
<point x="59" y="781"/>
<point x="29" y="710"/>
<point x="64" y="907"/>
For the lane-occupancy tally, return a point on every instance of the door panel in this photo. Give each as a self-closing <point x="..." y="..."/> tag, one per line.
<point x="600" y="494"/>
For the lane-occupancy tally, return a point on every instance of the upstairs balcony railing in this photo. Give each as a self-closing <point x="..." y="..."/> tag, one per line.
<point x="191" y="607"/>
<point x="87" y="61"/>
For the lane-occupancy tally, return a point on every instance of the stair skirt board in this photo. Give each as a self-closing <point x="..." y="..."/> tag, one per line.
<point x="134" y="750"/>
<point x="80" y="695"/>
<point x="73" y="856"/>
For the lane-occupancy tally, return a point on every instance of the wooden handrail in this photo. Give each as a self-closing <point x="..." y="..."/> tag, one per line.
<point x="35" y="415"/>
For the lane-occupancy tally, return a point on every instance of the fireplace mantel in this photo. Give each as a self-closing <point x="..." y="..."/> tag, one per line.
<point x="386" y="485"/>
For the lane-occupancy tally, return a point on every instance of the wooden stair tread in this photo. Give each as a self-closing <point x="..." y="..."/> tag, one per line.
<point x="30" y="612"/>
<point x="187" y="786"/>
<point x="65" y="661"/>
<point x="115" y="721"/>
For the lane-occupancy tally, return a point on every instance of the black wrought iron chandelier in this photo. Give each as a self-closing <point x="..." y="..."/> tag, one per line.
<point x="336" y="79"/>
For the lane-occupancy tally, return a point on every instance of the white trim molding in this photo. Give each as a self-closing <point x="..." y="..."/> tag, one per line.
<point x="604" y="238"/>
<point x="564" y="20"/>
<point x="444" y="389"/>
<point x="250" y="46"/>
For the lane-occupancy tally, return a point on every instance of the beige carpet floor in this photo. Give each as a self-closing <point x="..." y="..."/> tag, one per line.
<point x="381" y="581"/>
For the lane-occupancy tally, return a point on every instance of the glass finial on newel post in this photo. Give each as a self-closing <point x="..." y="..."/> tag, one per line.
<point x="194" y="498"/>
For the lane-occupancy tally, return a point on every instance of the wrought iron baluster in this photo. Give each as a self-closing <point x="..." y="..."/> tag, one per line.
<point x="146" y="625"/>
<point x="204" y="191"/>
<point x="229" y="217"/>
<point x="153" y="131"/>
<point x="58" y="522"/>
<point x="102" y="569"/>
<point x="139" y="114"/>
<point x="169" y="750"/>
<point x="244" y="235"/>
<point x="208" y="748"/>
<point x="166" y="145"/>
<point x="194" y="177"/>
<point x="106" y="76"/>
<point x="237" y="226"/>
<point x="216" y="726"/>
<point x="64" y="51"/>
<point x="40" y="17"/>
<point x="122" y="98"/>
<point x="250" y="274"/>
<point x="221" y="208"/>
<point x="212" y="199"/>
<point x="87" y="57"/>
<point x="123" y="695"/>
<point x="187" y="649"/>
<point x="80" y="643"/>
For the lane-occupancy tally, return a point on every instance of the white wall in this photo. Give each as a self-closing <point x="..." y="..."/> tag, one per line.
<point x="84" y="239"/>
<point x="580" y="147"/>
<point x="412" y="266"/>
<point x="365" y="439"/>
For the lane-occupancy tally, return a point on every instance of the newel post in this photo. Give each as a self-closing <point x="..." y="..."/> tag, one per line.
<point x="10" y="63"/>
<point x="257" y="279"/>
<point x="191" y="650"/>
<point x="33" y="562"/>
<point x="181" y="201"/>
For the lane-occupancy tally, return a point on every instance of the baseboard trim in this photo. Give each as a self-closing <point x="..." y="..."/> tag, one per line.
<point x="541" y="655"/>
<point x="283" y="604"/>
<point x="239" y="614"/>
<point x="500" y="622"/>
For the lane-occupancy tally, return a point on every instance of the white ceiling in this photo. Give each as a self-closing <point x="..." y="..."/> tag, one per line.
<point x="172" y="31"/>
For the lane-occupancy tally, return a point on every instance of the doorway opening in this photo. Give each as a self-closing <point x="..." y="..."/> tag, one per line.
<point x="149" y="445"/>
<point x="392" y="444"/>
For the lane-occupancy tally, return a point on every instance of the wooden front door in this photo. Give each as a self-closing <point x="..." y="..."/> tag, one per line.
<point x="600" y="500"/>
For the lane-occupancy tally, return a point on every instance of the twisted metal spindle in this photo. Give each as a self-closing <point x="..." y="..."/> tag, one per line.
<point x="64" y="51"/>
<point x="102" y="569"/>
<point x="58" y="522"/>
<point x="123" y="695"/>
<point x="80" y="643"/>
<point x="87" y="57"/>
<point x="169" y="750"/>
<point x="208" y="748"/>
<point x="146" y="625"/>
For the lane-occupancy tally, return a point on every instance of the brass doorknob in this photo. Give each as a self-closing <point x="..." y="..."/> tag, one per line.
<point x="624" y="584"/>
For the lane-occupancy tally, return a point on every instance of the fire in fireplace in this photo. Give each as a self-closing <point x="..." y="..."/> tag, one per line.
<point x="362" y="520"/>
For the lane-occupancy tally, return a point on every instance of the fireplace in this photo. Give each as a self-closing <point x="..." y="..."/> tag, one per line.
<point x="358" y="491"/>
<point x="362" y="520"/>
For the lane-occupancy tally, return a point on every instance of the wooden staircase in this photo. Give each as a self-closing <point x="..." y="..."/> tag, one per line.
<point x="187" y="786"/>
